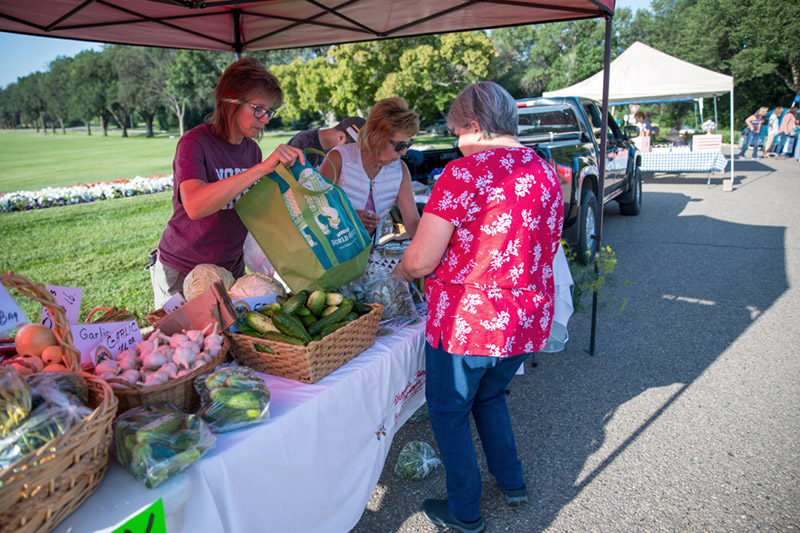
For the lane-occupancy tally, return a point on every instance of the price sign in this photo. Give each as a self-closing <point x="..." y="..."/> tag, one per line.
<point x="118" y="340"/>
<point x="173" y="303"/>
<point x="11" y="315"/>
<point x="150" y="520"/>
<point x="86" y="337"/>
<point x="69" y="299"/>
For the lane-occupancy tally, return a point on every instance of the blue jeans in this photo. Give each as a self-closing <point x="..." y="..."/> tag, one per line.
<point x="781" y="143"/>
<point x="456" y="385"/>
<point x="751" y="138"/>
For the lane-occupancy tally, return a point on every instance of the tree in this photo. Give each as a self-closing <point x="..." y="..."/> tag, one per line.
<point x="91" y="77"/>
<point x="55" y="86"/>
<point x="191" y="78"/>
<point x="31" y="101"/>
<point x="306" y="89"/>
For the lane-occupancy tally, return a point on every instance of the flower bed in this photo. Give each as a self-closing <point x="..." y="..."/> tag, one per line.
<point x="77" y="194"/>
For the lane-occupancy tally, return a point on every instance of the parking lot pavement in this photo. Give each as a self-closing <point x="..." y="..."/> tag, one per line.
<point x="687" y="418"/>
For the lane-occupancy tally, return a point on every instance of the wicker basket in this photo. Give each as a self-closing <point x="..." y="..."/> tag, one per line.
<point x="310" y="363"/>
<point x="42" y="488"/>
<point x="179" y="392"/>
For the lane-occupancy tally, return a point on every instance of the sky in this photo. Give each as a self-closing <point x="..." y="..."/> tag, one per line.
<point x="21" y="55"/>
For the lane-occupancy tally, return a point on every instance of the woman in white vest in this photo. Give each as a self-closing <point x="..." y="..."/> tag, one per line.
<point x="370" y="170"/>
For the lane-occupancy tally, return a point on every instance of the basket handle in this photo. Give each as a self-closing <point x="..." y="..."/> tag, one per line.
<point x="39" y="293"/>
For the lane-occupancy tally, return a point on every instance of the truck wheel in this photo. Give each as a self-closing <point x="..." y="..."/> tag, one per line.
<point x="633" y="206"/>
<point x="588" y="227"/>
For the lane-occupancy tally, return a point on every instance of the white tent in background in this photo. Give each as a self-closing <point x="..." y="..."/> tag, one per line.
<point x="642" y="74"/>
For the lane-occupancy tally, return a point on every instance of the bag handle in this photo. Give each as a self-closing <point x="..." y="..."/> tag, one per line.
<point x="290" y="180"/>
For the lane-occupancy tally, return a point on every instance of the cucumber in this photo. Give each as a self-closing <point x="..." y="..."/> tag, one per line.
<point x="361" y="308"/>
<point x="239" y="399"/>
<point x="333" y="298"/>
<point x="303" y="311"/>
<point x="259" y="322"/>
<point x="290" y="325"/>
<point x="250" y="332"/>
<point x="280" y="337"/>
<point x="333" y="318"/>
<point x="316" y="302"/>
<point x="263" y="348"/>
<point x="352" y="316"/>
<point x="295" y="302"/>
<point x="328" y="310"/>
<point x="267" y="310"/>
<point x="307" y="320"/>
<point x="327" y="330"/>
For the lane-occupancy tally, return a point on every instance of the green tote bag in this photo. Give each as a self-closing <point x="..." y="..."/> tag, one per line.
<point x="307" y="228"/>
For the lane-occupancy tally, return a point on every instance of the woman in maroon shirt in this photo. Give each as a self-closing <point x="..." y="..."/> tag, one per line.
<point x="486" y="241"/>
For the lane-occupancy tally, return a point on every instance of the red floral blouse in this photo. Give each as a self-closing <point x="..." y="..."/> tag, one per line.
<point x="493" y="293"/>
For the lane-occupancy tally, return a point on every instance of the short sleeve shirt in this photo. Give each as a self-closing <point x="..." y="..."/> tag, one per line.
<point x="493" y="293"/>
<point x="309" y="139"/>
<point x="219" y="237"/>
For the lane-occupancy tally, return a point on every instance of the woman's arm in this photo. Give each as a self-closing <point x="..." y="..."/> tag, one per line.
<point x="427" y="247"/>
<point x="749" y="122"/>
<point x="201" y="199"/>
<point x="407" y="203"/>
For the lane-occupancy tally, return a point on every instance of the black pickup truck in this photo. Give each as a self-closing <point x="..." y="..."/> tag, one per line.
<point x="565" y="131"/>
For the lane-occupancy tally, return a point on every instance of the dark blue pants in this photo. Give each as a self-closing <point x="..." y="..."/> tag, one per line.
<point x="456" y="385"/>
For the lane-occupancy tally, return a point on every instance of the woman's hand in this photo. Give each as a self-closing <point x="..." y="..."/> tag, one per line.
<point x="285" y="154"/>
<point x="369" y="220"/>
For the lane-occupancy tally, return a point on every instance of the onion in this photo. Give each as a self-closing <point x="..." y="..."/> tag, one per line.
<point x="32" y="339"/>
<point x="55" y="368"/>
<point x="34" y="362"/>
<point x="52" y="355"/>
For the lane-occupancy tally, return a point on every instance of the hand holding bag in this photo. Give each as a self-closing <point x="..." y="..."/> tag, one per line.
<point x="306" y="227"/>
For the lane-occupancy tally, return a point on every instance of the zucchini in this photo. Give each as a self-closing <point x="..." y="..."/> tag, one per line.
<point x="316" y="302"/>
<point x="333" y="318"/>
<point x="259" y="322"/>
<point x="290" y="325"/>
<point x="280" y="337"/>
<point x="296" y="302"/>
<point x="361" y="308"/>
<point x="327" y="330"/>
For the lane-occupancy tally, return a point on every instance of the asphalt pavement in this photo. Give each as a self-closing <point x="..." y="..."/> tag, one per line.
<point x="687" y="417"/>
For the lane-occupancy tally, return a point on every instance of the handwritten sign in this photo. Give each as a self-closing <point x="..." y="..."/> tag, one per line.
<point x="69" y="298"/>
<point x="86" y="337"/>
<point x="11" y="315"/>
<point x="150" y="520"/>
<point x="173" y="303"/>
<point x="120" y="339"/>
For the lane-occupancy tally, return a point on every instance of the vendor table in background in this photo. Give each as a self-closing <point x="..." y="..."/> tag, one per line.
<point x="311" y="467"/>
<point x="704" y="161"/>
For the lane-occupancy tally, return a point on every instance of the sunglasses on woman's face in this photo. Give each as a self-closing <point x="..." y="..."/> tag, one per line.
<point x="400" y="146"/>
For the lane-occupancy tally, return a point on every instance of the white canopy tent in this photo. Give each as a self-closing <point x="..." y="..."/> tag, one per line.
<point x="642" y="74"/>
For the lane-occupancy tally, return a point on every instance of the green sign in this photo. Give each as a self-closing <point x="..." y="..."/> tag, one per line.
<point x="149" y="520"/>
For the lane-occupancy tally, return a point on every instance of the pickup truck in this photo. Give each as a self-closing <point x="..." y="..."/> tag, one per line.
<point x="565" y="131"/>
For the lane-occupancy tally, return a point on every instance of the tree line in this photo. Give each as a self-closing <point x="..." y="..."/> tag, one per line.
<point x="752" y="40"/>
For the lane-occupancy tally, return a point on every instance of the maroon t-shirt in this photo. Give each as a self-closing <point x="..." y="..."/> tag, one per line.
<point x="217" y="238"/>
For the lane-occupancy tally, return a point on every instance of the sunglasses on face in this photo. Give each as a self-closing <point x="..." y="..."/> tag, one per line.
<point x="400" y="146"/>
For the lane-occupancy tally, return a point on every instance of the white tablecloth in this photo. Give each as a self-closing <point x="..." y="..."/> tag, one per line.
<point x="683" y="162"/>
<point x="311" y="467"/>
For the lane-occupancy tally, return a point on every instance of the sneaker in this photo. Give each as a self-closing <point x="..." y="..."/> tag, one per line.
<point x="516" y="497"/>
<point x="437" y="512"/>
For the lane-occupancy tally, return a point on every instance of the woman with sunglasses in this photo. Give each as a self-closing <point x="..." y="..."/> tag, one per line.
<point x="216" y="163"/>
<point x="370" y="170"/>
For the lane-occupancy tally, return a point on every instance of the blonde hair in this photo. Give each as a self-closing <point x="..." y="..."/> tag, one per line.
<point x="386" y="117"/>
<point x="763" y="111"/>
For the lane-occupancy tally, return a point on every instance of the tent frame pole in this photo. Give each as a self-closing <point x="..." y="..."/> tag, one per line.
<point x="601" y="178"/>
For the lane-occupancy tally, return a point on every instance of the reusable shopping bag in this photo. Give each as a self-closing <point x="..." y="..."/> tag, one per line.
<point x="306" y="227"/>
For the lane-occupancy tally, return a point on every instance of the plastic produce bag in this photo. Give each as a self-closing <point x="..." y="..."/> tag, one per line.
<point x="389" y="290"/>
<point x="153" y="442"/>
<point x="417" y="459"/>
<point x="232" y="397"/>
<point x="15" y="399"/>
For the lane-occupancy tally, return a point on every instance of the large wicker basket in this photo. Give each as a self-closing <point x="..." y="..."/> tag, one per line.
<point x="179" y="392"/>
<point x="310" y="363"/>
<point x="42" y="488"/>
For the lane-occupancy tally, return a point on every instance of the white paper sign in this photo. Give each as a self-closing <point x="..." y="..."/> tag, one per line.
<point x="255" y="302"/>
<point x="86" y="337"/>
<point x="175" y="301"/>
<point x="11" y="315"/>
<point x="121" y="339"/>
<point x="69" y="299"/>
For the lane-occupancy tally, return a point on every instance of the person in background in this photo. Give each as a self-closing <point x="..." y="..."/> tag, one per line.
<point x="787" y="127"/>
<point x="216" y="163"/>
<point x="324" y="139"/>
<point x="648" y="117"/>
<point x="774" y="126"/>
<point x="642" y="124"/>
<point x="754" y="123"/>
<point x="486" y="243"/>
<point x="370" y="171"/>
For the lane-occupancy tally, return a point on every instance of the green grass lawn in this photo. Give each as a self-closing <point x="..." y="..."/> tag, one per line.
<point x="100" y="247"/>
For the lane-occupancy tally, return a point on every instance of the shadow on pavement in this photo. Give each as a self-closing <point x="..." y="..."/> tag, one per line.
<point x="693" y="291"/>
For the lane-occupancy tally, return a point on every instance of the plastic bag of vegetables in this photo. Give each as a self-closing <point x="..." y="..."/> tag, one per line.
<point x="15" y="399"/>
<point x="44" y="423"/>
<point x="153" y="442"/>
<point x="231" y="398"/>
<point x="417" y="459"/>
<point x="389" y="290"/>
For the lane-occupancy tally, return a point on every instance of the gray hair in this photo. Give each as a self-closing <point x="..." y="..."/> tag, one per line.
<point x="488" y="104"/>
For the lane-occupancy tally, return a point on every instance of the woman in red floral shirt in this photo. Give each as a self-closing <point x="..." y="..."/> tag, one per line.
<point x="486" y="241"/>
